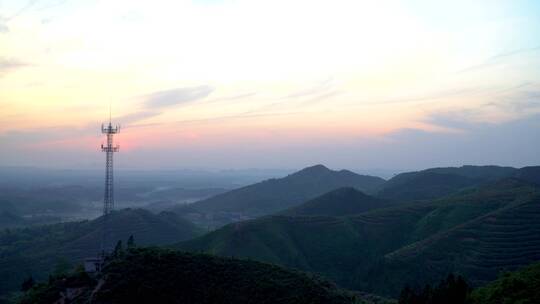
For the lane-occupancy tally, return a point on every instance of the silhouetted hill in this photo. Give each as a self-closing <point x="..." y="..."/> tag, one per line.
<point x="488" y="173"/>
<point x="351" y="250"/>
<point x="144" y="275"/>
<point x="339" y="202"/>
<point x="439" y="182"/>
<point x="274" y="195"/>
<point x="37" y="251"/>
<point x="530" y="174"/>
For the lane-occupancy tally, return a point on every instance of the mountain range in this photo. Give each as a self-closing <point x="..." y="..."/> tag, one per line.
<point x="477" y="231"/>
<point x="362" y="232"/>
<point x="279" y="194"/>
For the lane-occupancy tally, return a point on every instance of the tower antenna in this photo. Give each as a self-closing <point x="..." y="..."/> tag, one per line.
<point x="108" y="200"/>
<point x="95" y="264"/>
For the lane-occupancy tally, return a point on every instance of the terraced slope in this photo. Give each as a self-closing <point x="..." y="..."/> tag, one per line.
<point x="37" y="251"/>
<point x="502" y="240"/>
<point x="342" y="201"/>
<point x="349" y="250"/>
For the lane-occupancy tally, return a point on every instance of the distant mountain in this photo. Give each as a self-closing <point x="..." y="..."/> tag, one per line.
<point x="358" y="251"/>
<point x="37" y="251"/>
<point x="530" y="174"/>
<point x="160" y="276"/>
<point x="477" y="172"/>
<point x="339" y="202"/>
<point x="438" y="182"/>
<point x="274" y="195"/>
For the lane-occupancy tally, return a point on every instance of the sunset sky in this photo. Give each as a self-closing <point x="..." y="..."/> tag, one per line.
<point x="270" y="84"/>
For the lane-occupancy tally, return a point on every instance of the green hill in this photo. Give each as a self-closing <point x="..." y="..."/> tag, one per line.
<point x="501" y="240"/>
<point x="37" y="251"/>
<point x="144" y="275"/>
<point x="275" y="195"/>
<point x="439" y="182"/>
<point x="515" y="287"/>
<point x="339" y="202"/>
<point x="350" y="250"/>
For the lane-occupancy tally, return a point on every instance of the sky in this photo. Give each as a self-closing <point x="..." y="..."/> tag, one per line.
<point x="382" y="84"/>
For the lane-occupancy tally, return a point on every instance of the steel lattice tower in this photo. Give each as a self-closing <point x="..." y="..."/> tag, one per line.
<point x="108" y="201"/>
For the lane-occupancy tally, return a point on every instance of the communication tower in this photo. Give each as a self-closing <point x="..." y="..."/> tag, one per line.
<point x="108" y="201"/>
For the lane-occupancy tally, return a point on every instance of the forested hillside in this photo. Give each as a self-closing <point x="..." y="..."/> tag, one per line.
<point x="145" y="275"/>
<point x="38" y="251"/>
<point x="520" y="286"/>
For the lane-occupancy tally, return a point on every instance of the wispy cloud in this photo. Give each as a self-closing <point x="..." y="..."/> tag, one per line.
<point x="3" y="26"/>
<point x="322" y="97"/>
<point x="317" y="89"/>
<point x="8" y="64"/>
<point x="498" y="59"/>
<point x="244" y="115"/>
<point x="512" y="107"/>
<point x="460" y="92"/>
<point x="23" y="9"/>
<point x="508" y="143"/>
<point x="154" y="103"/>
<point x="177" y="96"/>
<point x="137" y="116"/>
<point x="234" y="97"/>
<point x="4" y="20"/>
<point x="29" y="6"/>
<point x="50" y="4"/>
<point x="298" y="100"/>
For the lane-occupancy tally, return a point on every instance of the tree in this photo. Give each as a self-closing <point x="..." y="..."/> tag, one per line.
<point x="451" y="290"/>
<point x="130" y="242"/>
<point x="62" y="267"/>
<point x="27" y="284"/>
<point x="407" y="295"/>
<point x="118" y="249"/>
